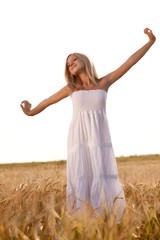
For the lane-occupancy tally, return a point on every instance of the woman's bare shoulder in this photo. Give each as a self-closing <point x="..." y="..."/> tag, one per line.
<point x="101" y="84"/>
<point x="70" y="89"/>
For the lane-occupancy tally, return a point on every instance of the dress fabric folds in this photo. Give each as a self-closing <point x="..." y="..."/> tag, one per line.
<point x="92" y="178"/>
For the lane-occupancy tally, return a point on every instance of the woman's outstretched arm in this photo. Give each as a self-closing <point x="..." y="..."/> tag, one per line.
<point x="132" y="60"/>
<point x="26" y="106"/>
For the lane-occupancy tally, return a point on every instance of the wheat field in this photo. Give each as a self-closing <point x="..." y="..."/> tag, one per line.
<point x="33" y="198"/>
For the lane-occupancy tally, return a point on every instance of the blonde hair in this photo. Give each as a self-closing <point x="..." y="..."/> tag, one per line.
<point x="74" y="82"/>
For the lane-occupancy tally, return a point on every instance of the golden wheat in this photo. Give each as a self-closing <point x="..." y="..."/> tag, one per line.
<point x="33" y="204"/>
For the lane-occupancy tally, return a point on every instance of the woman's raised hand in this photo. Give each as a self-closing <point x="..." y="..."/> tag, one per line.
<point x="26" y="107"/>
<point x="150" y="34"/>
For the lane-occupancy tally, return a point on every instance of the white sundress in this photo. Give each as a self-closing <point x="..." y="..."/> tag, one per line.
<point x="92" y="178"/>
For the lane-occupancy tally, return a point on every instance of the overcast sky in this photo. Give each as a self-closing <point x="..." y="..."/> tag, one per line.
<point x="37" y="36"/>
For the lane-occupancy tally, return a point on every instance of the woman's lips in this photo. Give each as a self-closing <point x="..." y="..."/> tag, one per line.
<point x="73" y="66"/>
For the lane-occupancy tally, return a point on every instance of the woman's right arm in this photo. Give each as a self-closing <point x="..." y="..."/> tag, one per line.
<point x="132" y="60"/>
<point x="26" y="106"/>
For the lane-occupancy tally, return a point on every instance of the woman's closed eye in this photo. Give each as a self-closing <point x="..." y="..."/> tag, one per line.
<point x="72" y="62"/>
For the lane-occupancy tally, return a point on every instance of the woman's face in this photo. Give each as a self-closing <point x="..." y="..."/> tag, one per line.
<point x="75" y="65"/>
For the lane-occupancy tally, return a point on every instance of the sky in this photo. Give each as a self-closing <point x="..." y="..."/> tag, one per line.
<point x="37" y="36"/>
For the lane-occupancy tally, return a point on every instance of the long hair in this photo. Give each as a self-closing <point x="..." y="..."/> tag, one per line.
<point x="74" y="82"/>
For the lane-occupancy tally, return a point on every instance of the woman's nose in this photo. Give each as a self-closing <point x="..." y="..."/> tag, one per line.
<point x="70" y="64"/>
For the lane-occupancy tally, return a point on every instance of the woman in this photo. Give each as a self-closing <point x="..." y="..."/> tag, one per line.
<point x="92" y="179"/>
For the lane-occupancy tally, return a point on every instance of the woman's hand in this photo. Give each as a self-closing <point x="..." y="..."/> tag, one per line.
<point x="26" y="107"/>
<point x="150" y="34"/>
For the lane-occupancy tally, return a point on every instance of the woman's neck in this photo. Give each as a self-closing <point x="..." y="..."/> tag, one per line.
<point x="85" y="80"/>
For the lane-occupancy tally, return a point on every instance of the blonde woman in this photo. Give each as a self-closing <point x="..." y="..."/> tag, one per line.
<point x="92" y="178"/>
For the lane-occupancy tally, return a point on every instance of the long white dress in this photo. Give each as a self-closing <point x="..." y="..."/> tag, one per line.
<point x="92" y="178"/>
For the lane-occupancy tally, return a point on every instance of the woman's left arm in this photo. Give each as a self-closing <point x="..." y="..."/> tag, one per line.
<point x="132" y="60"/>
